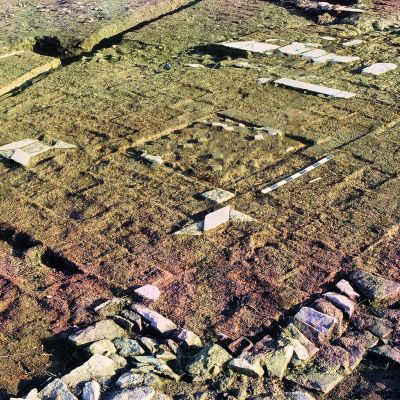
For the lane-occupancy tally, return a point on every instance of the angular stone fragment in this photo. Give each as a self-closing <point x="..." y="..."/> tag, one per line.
<point x="148" y="292"/>
<point x="342" y="302"/>
<point x="344" y="59"/>
<point x="345" y="287"/>
<point x="138" y="393"/>
<point x="295" y="48"/>
<point x="110" y="307"/>
<point x="153" y="160"/>
<point x="60" y="144"/>
<point x="56" y="390"/>
<point x="124" y="323"/>
<point x="315" y="325"/>
<point x="134" y="318"/>
<point x="314" y="53"/>
<point x="36" y="148"/>
<point x="32" y="395"/>
<point x="237" y="216"/>
<point x="149" y="344"/>
<point x="299" y="396"/>
<point x="364" y="340"/>
<point x="18" y="145"/>
<point x="128" y="347"/>
<point x="91" y="391"/>
<point x="119" y="362"/>
<point x="187" y="337"/>
<point x="216" y="218"/>
<point x="208" y="363"/>
<point x="332" y="359"/>
<point x="104" y="347"/>
<point x="318" y="381"/>
<point x="390" y="353"/>
<point x="378" y="327"/>
<point x="156" y="365"/>
<point x="328" y="308"/>
<point x="375" y="287"/>
<point x="195" y="229"/>
<point x="251" y="46"/>
<point x="128" y="380"/>
<point x="218" y="195"/>
<point x="247" y="365"/>
<point x="352" y="43"/>
<point x="97" y="367"/>
<point x="379" y="69"/>
<point x="158" y="322"/>
<point x="276" y="362"/>
<point x="21" y="157"/>
<point x="106" y="329"/>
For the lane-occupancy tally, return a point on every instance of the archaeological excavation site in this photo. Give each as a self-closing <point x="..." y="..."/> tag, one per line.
<point x="200" y="200"/>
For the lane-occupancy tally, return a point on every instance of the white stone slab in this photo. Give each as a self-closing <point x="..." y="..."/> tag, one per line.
<point x="352" y="43"/>
<point x="153" y="159"/>
<point x="318" y="89"/>
<point x="237" y="216"/>
<point x="195" y="229"/>
<point x="328" y="38"/>
<point x="314" y="53"/>
<point x="216" y="218"/>
<point x="148" y="292"/>
<point x="324" y="59"/>
<point x="252" y="46"/>
<point x="379" y="69"/>
<point x="21" y="157"/>
<point x="344" y="59"/>
<point x="18" y="145"/>
<point x="60" y="144"/>
<point x="35" y="149"/>
<point x="218" y="195"/>
<point x="349" y="9"/>
<point x="296" y="48"/>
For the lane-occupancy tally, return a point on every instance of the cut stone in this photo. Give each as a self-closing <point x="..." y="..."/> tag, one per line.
<point x="97" y="367"/>
<point x="375" y="287"/>
<point x="277" y="361"/>
<point x="379" y="69"/>
<point x="342" y="302"/>
<point x="153" y="364"/>
<point x="390" y="353"/>
<point x="344" y="59"/>
<point x="314" y="324"/>
<point x="378" y="327"/>
<point x="324" y="59"/>
<point x="148" y="292"/>
<point x="218" y="195"/>
<point x="187" y="337"/>
<point x="216" y="218"/>
<point x="21" y="157"/>
<point x="364" y="340"/>
<point x="36" y="148"/>
<point x="56" y="390"/>
<point x="240" y="345"/>
<point x="134" y="318"/>
<point x="345" y="287"/>
<point x="158" y="322"/>
<point x="128" y="347"/>
<point x="332" y="359"/>
<point x="106" y="329"/>
<point x="318" y="89"/>
<point x="18" y="145"/>
<point x="138" y="393"/>
<point x="247" y="365"/>
<point x="91" y="391"/>
<point x="295" y="48"/>
<point x="251" y="46"/>
<point x="315" y="53"/>
<point x="328" y="308"/>
<point x="104" y="347"/>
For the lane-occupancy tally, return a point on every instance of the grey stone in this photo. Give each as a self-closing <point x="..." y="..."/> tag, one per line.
<point x="56" y="390"/>
<point x="138" y="393"/>
<point x="247" y="365"/>
<point x="375" y="287"/>
<point x="158" y="322"/>
<point x="119" y="362"/>
<point x="208" y="362"/>
<point x="32" y="395"/>
<point x="124" y="323"/>
<point x="390" y="353"/>
<point x="277" y="361"/>
<point x="189" y="338"/>
<point x="332" y="359"/>
<point x="218" y="195"/>
<point x="345" y="287"/>
<point x="129" y="379"/>
<point x="97" y="367"/>
<point x="149" y="344"/>
<point x="91" y="391"/>
<point x="148" y="292"/>
<point x="328" y="308"/>
<point x="104" y="347"/>
<point x="106" y="329"/>
<point x="134" y="318"/>
<point x="299" y="396"/>
<point x="379" y="69"/>
<point x="128" y="347"/>
<point x="378" y="327"/>
<point x="364" y="340"/>
<point x="156" y="365"/>
<point x="110" y="307"/>
<point x="318" y="381"/>
<point x="342" y="302"/>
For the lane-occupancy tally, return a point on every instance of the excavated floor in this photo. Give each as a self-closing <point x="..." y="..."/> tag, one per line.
<point x="82" y="225"/>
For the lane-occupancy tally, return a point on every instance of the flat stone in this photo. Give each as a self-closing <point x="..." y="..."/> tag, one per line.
<point x="110" y="307"/>
<point x="276" y="362"/>
<point x="154" y="160"/>
<point x="345" y="287"/>
<point x="208" y="363"/>
<point x="195" y="229"/>
<point x="298" y="396"/>
<point x="97" y="367"/>
<point x="189" y="338"/>
<point x="324" y="59"/>
<point x="148" y="292"/>
<point x="237" y="216"/>
<point x="364" y="340"/>
<point x="247" y="365"/>
<point x="56" y="390"/>
<point x="104" y="347"/>
<point x="295" y="48"/>
<point x="128" y="347"/>
<point x="134" y="317"/>
<point x="91" y="391"/>
<point x="149" y="344"/>
<point x="216" y="218"/>
<point x="158" y="322"/>
<point x="218" y="195"/>
<point x="60" y="144"/>
<point x="390" y="353"/>
<point x="36" y="148"/>
<point x="379" y="69"/>
<point x="119" y="362"/>
<point x="315" y="53"/>
<point x="316" y="326"/>
<point x="318" y="381"/>
<point x="21" y="157"/>
<point x="18" y="145"/>
<point x="138" y="393"/>
<point x="328" y="308"/>
<point x="106" y="329"/>
<point x="312" y="88"/>
<point x="158" y="366"/>
<point x="128" y="380"/>
<point x="352" y="43"/>
<point x="375" y="287"/>
<point x="332" y="359"/>
<point x="342" y="302"/>
<point x="251" y="46"/>
<point x="344" y="59"/>
<point x="378" y="327"/>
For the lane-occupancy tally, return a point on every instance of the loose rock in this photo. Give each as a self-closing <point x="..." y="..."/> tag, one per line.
<point x="91" y="391"/>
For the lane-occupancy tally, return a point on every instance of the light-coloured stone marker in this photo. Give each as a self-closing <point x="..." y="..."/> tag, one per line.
<point x="296" y="48"/>
<point x="216" y="218"/>
<point x="21" y="157"/>
<point x="342" y="302"/>
<point x="155" y="160"/>
<point x="315" y="53"/>
<point x="251" y="46"/>
<point x="312" y="88"/>
<point x="344" y="59"/>
<point x="352" y="43"/>
<point x="60" y="144"/>
<point x="379" y="69"/>
<point x="195" y="229"/>
<point x="345" y="287"/>
<point x="218" y="195"/>
<point x="157" y="321"/>
<point x="148" y="292"/>
<point x="18" y="145"/>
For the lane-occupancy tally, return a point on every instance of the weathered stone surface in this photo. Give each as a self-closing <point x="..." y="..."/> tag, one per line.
<point x="276" y="363"/>
<point x="364" y="340"/>
<point x="149" y="344"/>
<point x="208" y="363"/>
<point x="111" y="307"/>
<point x="104" y="347"/>
<point x="251" y="46"/>
<point x="390" y="353"/>
<point x="314" y="324"/>
<point x="148" y="292"/>
<point x="153" y="364"/>
<point x="332" y="359"/>
<point x="247" y="365"/>
<point x="128" y="380"/>
<point x="342" y="302"/>
<point x="119" y="362"/>
<point x="32" y="395"/>
<point x="313" y="380"/>
<point x="56" y="390"/>
<point x="216" y="218"/>
<point x="106" y="329"/>
<point x="379" y="69"/>
<point x="128" y="347"/>
<point x="345" y="287"/>
<point x="217" y="195"/>
<point x="91" y="391"/>
<point x="138" y="393"/>
<point x="97" y="367"/>
<point x="299" y="396"/>
<point x="134" y="318"/>
<point x="375" y="287"/>
<point x="157" y="321"/>
<point x="378" y="327"/>
<point x="187" y="337"/>
<point x="328" y="308"/>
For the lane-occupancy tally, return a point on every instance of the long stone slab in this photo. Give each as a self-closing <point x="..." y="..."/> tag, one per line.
<point x="379" y="69"/>
<point x="251" y="46"/>
<point x="312" y="88"/>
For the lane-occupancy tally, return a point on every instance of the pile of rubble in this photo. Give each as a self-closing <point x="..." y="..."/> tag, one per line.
<point x="133" y="350"/>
